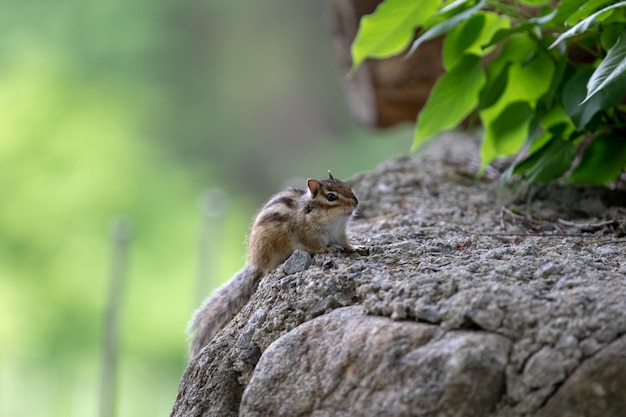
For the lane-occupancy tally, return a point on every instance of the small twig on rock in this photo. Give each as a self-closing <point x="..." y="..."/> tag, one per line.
<point x="528" y="221"/>
<point x="589" y="226"/>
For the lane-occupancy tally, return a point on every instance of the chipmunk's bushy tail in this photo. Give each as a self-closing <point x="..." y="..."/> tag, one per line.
<point x="221" y="307"/>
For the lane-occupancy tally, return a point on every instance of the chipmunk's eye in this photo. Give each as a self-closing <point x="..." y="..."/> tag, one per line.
<point x="331" y="196"/>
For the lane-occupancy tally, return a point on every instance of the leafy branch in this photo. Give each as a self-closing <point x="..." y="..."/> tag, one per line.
<point x="561" y="116"/>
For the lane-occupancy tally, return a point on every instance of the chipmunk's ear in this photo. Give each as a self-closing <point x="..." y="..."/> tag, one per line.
<point x="313" y="185"/>
<point x="330" y="176"/>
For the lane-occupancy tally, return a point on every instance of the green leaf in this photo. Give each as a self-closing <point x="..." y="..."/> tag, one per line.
<point x="556" y="122"/>
<point x="553" y="95"/>
<point x="446" y="26"/>
<point x="506" y="122"/>
<point x="460" y="39"/>
<point x="390" y="29"/>
<point x="497" y="80"/>
<point x="610" y="35"/>
<point x="611" y="69"/>
<point x="585" y="24"/>
<point x="585" y="9"/>
<point x="542" y="19"/>
<point x="603" y="160"/>
<point x="532" y="80"/>
<point x="566" y="9"/>
<point x="617" y="17"/>
<point x="573" y="94"/>
<point x="525" y="81"/>
<point x="452" y="98"/>
<point x="534" y="2"/>
<point x="450" y="8"/>
<point x="505" y="134"/>
<point x="505" y="33"/>
<point x="584" y="114"/>
<point x="470" y="36"/>
<point x="529" y="25"/>
<point x="517" y="49"/>
<point x="549" y="163"/>
<point x="535" y="132"/>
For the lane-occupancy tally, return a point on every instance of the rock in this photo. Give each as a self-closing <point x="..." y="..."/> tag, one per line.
<point x="596" y="388"/>
<point x="455" y="309"/>
<point x="298" y="261"/>
<point x="547" y="269"/>
<point x="213" y="389"/>
<point x="544" y="368"/>
<point x="347" y="364"/>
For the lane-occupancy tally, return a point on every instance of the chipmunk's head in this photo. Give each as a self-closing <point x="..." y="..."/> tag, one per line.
<point x="333" y="195"/>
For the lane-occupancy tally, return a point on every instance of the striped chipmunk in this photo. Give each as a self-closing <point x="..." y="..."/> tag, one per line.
<point x="313" y="220"/>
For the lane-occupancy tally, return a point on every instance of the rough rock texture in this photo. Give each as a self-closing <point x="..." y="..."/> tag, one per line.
<point x="344" y="361"/>
<point x="471" y="302"/>
<point x="298" y="261"/>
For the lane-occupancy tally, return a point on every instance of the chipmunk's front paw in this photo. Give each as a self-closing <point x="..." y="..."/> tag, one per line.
<point x="356" y="249"/>
<point x="329" y="249"/>
<point x="361" y="250"/>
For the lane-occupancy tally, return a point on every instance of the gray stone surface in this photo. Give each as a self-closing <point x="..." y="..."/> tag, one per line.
<point x="347" y="364"/>
<point x="596" y="388"/>
<point x="530" y="289"/>
<point x="298" y="261"/>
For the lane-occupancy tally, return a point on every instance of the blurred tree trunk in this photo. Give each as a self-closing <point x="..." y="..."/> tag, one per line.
<point x="385" y="92"/>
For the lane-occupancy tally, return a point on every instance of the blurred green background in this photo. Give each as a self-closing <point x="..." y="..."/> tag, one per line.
<point x="135" y="108"/>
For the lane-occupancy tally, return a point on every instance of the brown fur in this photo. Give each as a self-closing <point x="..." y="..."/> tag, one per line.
<point x="292" y="219"/>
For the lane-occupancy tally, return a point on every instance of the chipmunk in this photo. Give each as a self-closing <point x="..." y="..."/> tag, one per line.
<point x="312" y="220"/>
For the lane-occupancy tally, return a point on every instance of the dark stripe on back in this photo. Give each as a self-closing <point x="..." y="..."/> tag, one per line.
<point x="284" y="200"/>
<point x="274" y="217"/>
